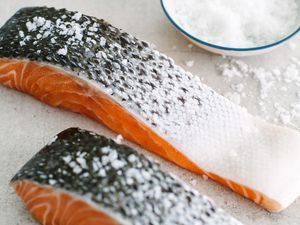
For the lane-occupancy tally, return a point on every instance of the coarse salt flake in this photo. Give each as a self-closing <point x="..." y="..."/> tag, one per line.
<point x="63" y="51"/>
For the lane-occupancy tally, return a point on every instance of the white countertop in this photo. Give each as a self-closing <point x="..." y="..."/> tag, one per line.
<point x="27" y="125"/>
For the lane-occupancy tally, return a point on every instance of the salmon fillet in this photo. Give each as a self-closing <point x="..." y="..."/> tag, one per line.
<point x="86" y="65"/>
<point x="82" y="178"/>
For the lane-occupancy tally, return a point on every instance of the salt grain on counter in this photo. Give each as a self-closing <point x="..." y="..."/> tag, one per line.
<point x="237" y="23"/>
<point x="189" y="63"/>
<point x="238" y="75"/>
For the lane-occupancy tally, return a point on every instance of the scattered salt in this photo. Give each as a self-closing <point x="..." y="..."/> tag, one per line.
<point x="238" y="74"/>
<point x="234" y="23"/>
<point x="189" y="63"/>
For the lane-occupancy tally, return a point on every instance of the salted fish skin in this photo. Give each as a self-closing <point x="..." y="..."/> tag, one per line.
<point x="128" y="185"/>
<point x="210" y="131"/>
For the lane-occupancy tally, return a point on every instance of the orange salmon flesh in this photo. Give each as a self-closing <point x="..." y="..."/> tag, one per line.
<point x="49" y="206"/>
<point x="60" y="89"/>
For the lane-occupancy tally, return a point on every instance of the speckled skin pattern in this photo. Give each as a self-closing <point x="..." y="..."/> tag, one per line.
<point x="119" y="180"/>
<point x="128" y="69"/>
<point x="216" y="135"/>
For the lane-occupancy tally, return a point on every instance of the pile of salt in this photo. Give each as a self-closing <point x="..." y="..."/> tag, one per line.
<point x="237" y="23"/>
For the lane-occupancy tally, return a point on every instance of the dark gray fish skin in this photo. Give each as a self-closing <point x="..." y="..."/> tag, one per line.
<point x="120" y="180"/>
<point x="127" y="68"/>
<point x="77" y="59"/>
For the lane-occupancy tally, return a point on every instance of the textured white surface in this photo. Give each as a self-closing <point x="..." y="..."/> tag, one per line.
<point x="234" y="23"/>
<point x="26" y="124"/>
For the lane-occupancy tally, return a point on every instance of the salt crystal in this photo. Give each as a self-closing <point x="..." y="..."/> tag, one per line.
<point x="102" y="173"/>
<point x="52" y="181"/>
<point x="31" y="26"/>
<point x="93" y="29"/>
<point x="21" y="33"/>
<point x="119" y="139"/>
<point x="106" y="150"/>
<point x="77" y="169"/>
<point x="235" y="23"/>
<point x="39" y="36"/>
<point x="117" y="164"/>
<point x="40" y="21"/>
<point x="189" y="63"/>
<point x="63" y="51"/>
<point x="78" y="36"/>
<point x="113" y="155"/>
<point x="132" y="158"/>
<point x="124" y="62"/>
<point x="67" y="159"/>
<point x="22" y="43"/>
<point x="77" y="16"/>
<point x="102" y="41"/>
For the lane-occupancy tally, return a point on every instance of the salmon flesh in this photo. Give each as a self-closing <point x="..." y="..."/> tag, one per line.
<point x="83" y="64"/>
<point x="82" y="178"/>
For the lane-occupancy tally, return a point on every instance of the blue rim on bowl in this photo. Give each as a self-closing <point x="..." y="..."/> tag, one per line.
<point x="222" y="47"/>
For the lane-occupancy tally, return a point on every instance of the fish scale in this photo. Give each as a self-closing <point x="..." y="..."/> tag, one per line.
<point x="168" y="110"/>
<point x="153" y="197"/>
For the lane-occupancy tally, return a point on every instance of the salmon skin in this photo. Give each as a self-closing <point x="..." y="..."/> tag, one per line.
<point x="99" y="181"/>
<point x="77" y="62"/>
